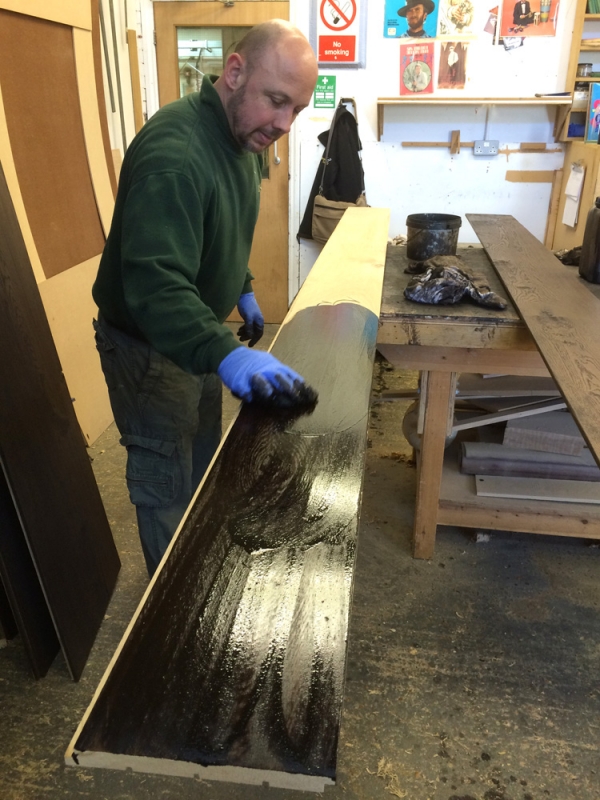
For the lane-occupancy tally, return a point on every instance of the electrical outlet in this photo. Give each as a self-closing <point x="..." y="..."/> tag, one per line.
<point x="486" y="147"/>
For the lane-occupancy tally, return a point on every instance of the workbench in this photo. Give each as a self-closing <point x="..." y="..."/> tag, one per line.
<point x="443" y="341"/>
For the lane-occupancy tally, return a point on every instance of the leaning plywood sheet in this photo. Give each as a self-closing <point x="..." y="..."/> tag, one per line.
<point x="562" y="315"/>
<point x="233" y="665"/>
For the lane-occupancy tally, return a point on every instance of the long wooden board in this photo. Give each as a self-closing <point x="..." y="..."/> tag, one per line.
<point x="24" y="596"/>
<point x="555" y="491"/>
<point x="44" y="459"/>
<point x="233" y="665"/>
<point x="562" y="315"/>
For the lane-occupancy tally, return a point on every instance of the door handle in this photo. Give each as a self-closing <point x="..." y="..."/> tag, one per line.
<point x="276" y="159"/>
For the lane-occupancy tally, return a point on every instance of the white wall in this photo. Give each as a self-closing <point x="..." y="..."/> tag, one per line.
<point x="410" y="180"/>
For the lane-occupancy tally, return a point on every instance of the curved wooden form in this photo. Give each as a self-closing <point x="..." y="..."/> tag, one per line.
<point x="55" y="154"/>
<point x="233" y="666"/>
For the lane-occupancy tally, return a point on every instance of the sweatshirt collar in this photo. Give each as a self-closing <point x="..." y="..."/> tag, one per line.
<point x="210" y="97"/>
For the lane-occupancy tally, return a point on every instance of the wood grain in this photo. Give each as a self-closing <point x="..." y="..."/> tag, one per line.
<point x="237" y="658"/>
<point x="47" y="140"/>
<point x="44" y="458"/>
<point x="233" y="666"/>
<point x="562" y="315"/>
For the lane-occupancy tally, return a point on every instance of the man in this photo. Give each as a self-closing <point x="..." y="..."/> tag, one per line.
<point x="416" y="12"/>
<point x="418" y="81"/>
<point x="522" y="13"/>
<point x="452" y="63"/>
<point x="176" y="264"/>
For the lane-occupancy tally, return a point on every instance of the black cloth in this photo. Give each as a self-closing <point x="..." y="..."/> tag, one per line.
<point x="344" y="176"/>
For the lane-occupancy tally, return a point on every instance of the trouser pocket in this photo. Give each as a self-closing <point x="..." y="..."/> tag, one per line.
<point x="153" y="471"/>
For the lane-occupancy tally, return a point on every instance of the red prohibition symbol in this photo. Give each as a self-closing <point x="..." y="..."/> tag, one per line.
<point x="338" y="15"/>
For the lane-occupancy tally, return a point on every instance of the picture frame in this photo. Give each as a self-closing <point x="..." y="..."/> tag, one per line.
<point x="592" y="128"/>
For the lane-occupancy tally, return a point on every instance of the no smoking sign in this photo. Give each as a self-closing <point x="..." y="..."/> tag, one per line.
<point x="338" y="30"/>
<point x="338" y="15"/>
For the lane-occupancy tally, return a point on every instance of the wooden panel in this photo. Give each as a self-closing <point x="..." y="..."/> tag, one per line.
<point x="99" y="84"/>
<point x="70" y="308"/>
<point x="136" y="86"/>
<point x="588" y="154"/>
<point x="12" y="180"/>
<point x="560" y="312"/>
<point x="23" y="590"/>
<point x="247" y="613"/>
<point x="68" y="12"/>
<point x="553" y="208"/>
<point x="530" y="175"/>
<point x="460" y="505"/>
<point x="46" y="135"/>
<point x="456" y="359"/>
<point x="44" y="457"/>
<point x="92" y="126"/>
<point x="546" y="489"/>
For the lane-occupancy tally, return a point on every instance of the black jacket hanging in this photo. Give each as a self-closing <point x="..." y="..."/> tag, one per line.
<point x="344" y="178"/>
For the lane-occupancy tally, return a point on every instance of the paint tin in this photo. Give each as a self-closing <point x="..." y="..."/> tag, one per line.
<point x="431" y="235"/>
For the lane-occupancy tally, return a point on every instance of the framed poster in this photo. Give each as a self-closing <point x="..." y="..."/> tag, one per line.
<point x="592" y="130"/>
<point x="456" y="17"/>
<point x="524" y="18"/>
<point x="410" y="19"/>
<point x="453" y="65"/>
<point x="416" y="68"/>
<point x="338" y="32"/>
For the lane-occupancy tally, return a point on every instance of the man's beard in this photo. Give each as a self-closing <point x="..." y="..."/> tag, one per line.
<point x="242" y="138"/>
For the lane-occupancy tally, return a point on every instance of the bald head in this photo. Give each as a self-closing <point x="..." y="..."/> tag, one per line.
<point x="273" y="35"/>
<point x="266" y="82"/>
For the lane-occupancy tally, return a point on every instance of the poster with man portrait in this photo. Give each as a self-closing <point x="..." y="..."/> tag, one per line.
<point x="453" y="65"/>
<point x="410" y="19"/>
<point x="416" y="68"/>
<point x="529" y="18"/>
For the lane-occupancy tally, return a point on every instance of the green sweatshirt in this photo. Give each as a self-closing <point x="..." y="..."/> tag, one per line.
<point x="176" y="258"/>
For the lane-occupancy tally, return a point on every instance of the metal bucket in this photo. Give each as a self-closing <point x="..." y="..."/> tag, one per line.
<point x="431" y="235"/>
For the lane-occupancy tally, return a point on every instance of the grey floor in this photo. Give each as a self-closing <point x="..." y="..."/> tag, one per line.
<point x="473" y="676"/>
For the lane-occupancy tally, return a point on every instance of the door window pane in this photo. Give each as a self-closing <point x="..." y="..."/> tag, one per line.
<point x="203" y="51"/>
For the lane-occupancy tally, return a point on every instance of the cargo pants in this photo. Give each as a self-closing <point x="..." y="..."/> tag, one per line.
<point x="170" y="424"/>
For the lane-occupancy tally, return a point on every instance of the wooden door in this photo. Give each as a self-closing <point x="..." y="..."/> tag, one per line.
<point x="214" y="22"/>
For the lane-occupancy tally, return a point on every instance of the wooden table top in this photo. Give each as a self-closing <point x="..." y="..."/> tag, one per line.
<point x="562" y="315"/>
<point x="395" y="307"/>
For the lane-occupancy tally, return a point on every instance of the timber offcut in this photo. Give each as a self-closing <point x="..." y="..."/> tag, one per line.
<point x="233" y="665"/>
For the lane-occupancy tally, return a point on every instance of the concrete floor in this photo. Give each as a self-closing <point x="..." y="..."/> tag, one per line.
<point x="474" y="676"/>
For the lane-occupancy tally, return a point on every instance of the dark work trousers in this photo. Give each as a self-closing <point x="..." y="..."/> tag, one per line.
<point x="170" y="423"/>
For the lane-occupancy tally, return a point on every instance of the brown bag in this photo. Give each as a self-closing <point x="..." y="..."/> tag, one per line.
<point x="327" y="214"/>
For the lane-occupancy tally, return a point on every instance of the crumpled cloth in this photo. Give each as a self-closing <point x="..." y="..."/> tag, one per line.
<point x="442" y="284"/>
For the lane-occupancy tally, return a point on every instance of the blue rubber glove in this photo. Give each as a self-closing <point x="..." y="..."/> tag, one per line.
<point x="254" y="322"/>
<point x="256" y="375"/>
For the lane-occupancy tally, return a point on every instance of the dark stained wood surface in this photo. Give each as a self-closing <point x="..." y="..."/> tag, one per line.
<point x="23" y="591"/>
<point x="236" y="658"/>
<point x="562" y="315"/>
<point x="43" y="454"/>
<point x="395" y="306"/>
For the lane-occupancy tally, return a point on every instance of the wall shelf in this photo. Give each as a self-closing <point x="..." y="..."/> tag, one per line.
<point x="562" y="104"/>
